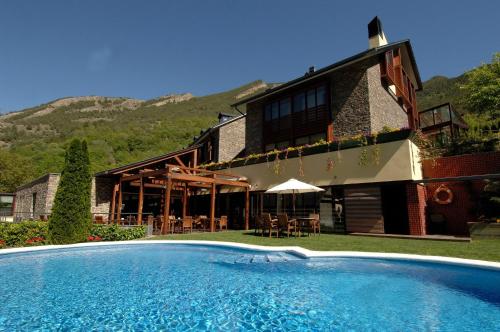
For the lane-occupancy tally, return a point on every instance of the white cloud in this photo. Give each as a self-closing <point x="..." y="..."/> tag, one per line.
<point x="99" y="59"/>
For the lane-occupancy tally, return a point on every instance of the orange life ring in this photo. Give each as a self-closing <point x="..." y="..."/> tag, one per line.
<point x="447" y="191"/>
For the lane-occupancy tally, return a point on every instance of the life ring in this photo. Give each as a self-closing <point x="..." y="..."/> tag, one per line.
<point x="439" y="192"/>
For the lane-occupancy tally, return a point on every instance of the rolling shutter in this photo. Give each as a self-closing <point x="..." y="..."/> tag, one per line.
<point x="363" y="207"/>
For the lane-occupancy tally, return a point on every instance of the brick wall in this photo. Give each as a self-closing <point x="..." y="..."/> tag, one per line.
<point x="464" y="207"/>
<point x="416" y="200"/>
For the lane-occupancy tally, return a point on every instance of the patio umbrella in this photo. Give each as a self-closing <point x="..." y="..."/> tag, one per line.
<point x="293" y="187"/>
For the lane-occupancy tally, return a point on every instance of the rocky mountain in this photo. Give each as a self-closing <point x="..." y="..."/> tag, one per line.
<point x="118" y="130"/>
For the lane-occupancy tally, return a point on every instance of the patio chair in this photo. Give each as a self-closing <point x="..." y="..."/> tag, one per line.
<point x="131" y="220"/>
<point x="187" y="223"/>
<point x="315" y="225"/>
<point x="223" y="222"/>
<point x="259" y="225"/>
<point x="171" y="221"/>
<point x="269" y="224"/>
<point x="290" y="225"/>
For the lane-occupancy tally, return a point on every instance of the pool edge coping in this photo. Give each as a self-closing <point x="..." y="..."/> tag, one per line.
<point x="299" y="251"/>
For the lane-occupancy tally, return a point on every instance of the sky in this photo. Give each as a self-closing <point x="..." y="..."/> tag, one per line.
<point x="144" y="49"/>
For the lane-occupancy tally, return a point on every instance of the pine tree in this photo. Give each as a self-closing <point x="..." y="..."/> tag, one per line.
<point x="71" y="217"/>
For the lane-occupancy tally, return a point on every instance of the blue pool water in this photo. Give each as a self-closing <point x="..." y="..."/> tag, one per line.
<point x="180" y="287"/>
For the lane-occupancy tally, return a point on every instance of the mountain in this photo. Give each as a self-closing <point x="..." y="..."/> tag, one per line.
<point x="118" y="130"/>
<point x="440" y="89"/>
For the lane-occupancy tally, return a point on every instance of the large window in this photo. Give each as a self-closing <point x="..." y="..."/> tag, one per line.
<point x="298" y="119"/>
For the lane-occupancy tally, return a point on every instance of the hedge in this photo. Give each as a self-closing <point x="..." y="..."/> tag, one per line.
<point x="32" y="233"/>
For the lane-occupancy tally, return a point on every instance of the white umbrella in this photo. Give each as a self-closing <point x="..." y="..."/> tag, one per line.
<point x="293" y="187"/>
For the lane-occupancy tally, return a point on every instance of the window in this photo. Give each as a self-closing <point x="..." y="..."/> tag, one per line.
<point x="310" y="139"/>
<point x="311" y="98"/>
<point x="282" y="145"/>
<point x="270" y="147"/>
<point x="284" y="107"/>
<point x="320" y="95"/>
<point x="299" y="102"/>
<point x="267" y="112"/>
<point x="275" y="111"/>
<point x="302" y="140"/>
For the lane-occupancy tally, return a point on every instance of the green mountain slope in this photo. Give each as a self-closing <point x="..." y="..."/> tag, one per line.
<point x="118" y="130"/>
<point x="439" y="89"/>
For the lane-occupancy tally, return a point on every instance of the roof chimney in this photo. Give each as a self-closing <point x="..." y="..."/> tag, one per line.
<point x="376" y="36"/>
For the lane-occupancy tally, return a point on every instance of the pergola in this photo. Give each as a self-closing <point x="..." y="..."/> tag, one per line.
<point x="179" y="177"/>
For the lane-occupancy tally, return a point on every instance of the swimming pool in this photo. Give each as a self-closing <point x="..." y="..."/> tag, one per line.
<point x="179" y="287"/>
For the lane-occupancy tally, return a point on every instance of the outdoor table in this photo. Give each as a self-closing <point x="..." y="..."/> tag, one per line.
<point x="304" y="221"/>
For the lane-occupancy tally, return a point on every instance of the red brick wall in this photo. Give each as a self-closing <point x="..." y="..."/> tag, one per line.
<point x="416" y="198"/>
<point x="463" y="208"/>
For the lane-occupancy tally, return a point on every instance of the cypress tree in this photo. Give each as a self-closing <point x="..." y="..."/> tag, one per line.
<point x="70" y="220"/>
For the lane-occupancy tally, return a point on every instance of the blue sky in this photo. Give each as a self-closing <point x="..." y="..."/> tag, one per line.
<point x="143" y="49"/>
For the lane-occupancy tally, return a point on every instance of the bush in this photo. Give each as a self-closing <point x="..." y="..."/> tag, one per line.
<point x="116" y="233"/>
<point x="71" y="219"/>
<point x="28" y="233"/>
<point x="33" y="233"/>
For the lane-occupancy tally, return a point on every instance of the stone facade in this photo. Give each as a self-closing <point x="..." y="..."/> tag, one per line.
<point x="253" y="128"/>
<point x="384" y="108"/>
<point x="101" y="195"/>
<point x="231" y="139"/>
<point x="350" y="101"/>
<point x="36" y="198"/>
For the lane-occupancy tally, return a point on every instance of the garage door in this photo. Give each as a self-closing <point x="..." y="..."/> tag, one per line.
<point x="363" y="210"/>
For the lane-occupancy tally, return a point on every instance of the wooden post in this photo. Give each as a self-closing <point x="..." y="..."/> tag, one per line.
<point x="247" y="208"/>
<point x="120" y="198"/>
<point x="141" y="201"/>
<point x="195" y="158"/>
<point x="212" y="208"/>
<point x="165" y="227"/>
<point x="184" y="201"/>
<point x="113" y="202"/>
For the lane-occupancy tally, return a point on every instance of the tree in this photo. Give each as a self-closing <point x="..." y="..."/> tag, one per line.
<point x="482" y="88"/>
<point x="15" y="170"/>
<point x="71" y="218"/>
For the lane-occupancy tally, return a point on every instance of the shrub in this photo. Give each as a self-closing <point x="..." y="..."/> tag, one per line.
<point x="23" y="234"/>
<point x="71" y="219"/>
<point x="116" y="233"/>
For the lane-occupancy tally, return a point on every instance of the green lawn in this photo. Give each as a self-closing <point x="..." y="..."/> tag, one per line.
<point x="479" y="248"/>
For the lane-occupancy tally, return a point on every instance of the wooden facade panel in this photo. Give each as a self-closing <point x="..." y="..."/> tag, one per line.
<point x="363" y="210"/>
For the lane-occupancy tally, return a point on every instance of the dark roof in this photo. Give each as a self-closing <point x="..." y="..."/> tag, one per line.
<point x="347" y="61"/>
<point x="147" y="161"/>
<point x="43" y="178"/>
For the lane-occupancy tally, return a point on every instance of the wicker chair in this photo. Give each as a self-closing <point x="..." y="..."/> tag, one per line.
<point x="315" y="225"/>
<point x="288" y="225"/>
<point x="269" y="224"/>
<point x="223" y="222"/>
<point x="187" y="224"/>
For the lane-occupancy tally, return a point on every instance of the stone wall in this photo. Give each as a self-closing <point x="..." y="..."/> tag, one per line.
<point x="384" y="107"/>
<point x="45" y="189"/>
<point x="253" y="128"/>
<point x="350" y="102"/>
<point x="231" y="139"/>
<point x="101" y="196"/>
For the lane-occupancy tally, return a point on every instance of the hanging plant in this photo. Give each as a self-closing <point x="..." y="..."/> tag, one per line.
<point x="375" y="151"/>
<point x="330" y="163"/>
<point x="301" y="164"/>
<point x="363" y="154"/>
<point x="276" y="164"/>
